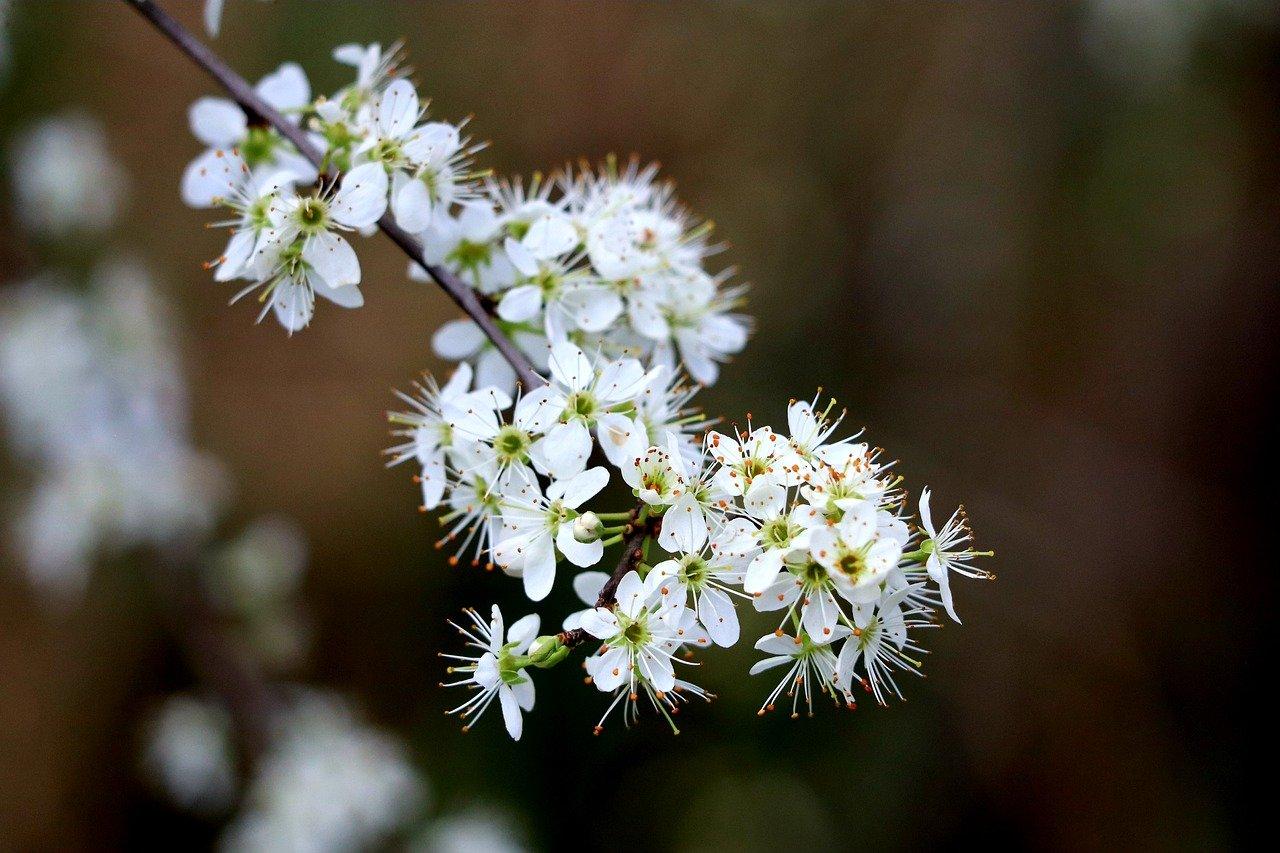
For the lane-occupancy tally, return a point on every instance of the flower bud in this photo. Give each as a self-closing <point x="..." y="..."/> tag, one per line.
<point x="586" y="527"/>
<point x="546" y="651"/>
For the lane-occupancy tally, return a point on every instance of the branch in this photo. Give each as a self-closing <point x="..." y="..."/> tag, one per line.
<point x="466" y="298"/>
<point x="261" y="112"/>
<point x="632" y="553"/>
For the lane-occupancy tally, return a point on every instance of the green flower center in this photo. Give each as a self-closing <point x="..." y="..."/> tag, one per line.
<point x="694" y="571"/>
<point x="312" y="215"/>
<point x="583" y="404"/>
<point x="471" y="256"/>
<point x="776" y="533"/>
<point x="635" y="634"/>
<point x="511" y="444"/>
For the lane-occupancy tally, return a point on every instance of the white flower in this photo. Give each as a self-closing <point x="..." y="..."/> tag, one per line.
<point x="496" y="672"/>
<point x="550" y="286"/>
<point x="704" y="579"/>
<point x="588" y="398"/>
<point x="664" y="412"/>
<point x="657" y="477"/>
<point x="750" y="455"/>
<point x="946" y="551"/>
<point x="848" y="475"/>
<point x="510" y="447"/>
<point x="881" y="643"/>
<point x="251" y="197"/>
<point x="429" y="434"/>
<point x="477" y="496"/>
<point x="188" y="751"/>
<point x="641" y="636"/>
<point x="64" y="179"/>
<point x="328" y="782"/>
<point x="697" y="315"/>
<point x="300" y="256"/>
<point x="783" y="529"/>
<point x="428" y="162"/>
<point x="221" y="125"/>
<point x="467" y="245"/>
<point x="374" y="68"/>
<point x="811" y="668"/>
<point x="857" y="553"/>
<point x="534" y="527"/>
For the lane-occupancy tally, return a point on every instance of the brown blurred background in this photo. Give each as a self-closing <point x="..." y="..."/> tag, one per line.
<point x="1033" y="247"/>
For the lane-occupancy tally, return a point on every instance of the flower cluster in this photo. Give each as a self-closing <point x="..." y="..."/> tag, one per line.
<point x="808" y="527"/>
<point x="604" y="258"/>
<point x="599" y="279"/>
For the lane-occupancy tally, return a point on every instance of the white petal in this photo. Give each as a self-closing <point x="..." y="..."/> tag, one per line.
<point x="537" y="410"/>
<point x="580" y="488"/>
<point x="212" y="175"/>
<point x="587" y="586"/>
<point x="612" y="669"/>
<point x="523" y="631"/>
<point x="718" y="616"/>
<point x="550" y="235"/>
<point x="293" y="306"/>
<point x="212" y="17"/>
<point x="435" y="142"/>
<point x="521" y="258"/>
<point x="433" y="481"/>
<point x="285" y="89"/>
<point x="571" y="366"/>
<point x="594" y="308"/>
<point x="581" y="554"/>
<point x="763" y="571"/>
<point x="333" y="259"/>
<point x="235" y="256"/>
<point x="398" y="110"/>
<point x="347" y="296"/>
<point x="599" y="623"/>
<point x="684" y="528"/>
<point x="566" y="448"/>
<point x="819" y="617"/>
<point x="217" y="122"/>
<point x="457" y="339"/>
<point x="412" y="206"/>
<point x="524" y="693"/>
<point x="510" y="712"/>
<point x="767" y="664"/>
<point x="621" y="439"/>
<point x="363" y="197"/>
<point x="520" y="303"/>
<point x="539" y="568"/>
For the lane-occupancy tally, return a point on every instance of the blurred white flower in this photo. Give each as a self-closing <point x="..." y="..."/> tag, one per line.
<point x="93" y="400"/>
<point x="477" y="830"/>
<point x="329" y="782"/>
<point x="188" y="754"/>
<point x="65" y="181"/>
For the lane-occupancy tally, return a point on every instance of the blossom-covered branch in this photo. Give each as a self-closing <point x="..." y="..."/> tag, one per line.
<point x="593" y="318"/>
<point x="264" y="116"/>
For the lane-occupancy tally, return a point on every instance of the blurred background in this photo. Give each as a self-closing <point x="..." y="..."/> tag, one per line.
<point x="1032" y="247"/>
